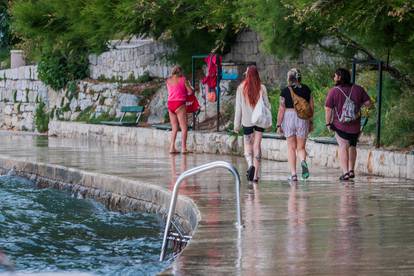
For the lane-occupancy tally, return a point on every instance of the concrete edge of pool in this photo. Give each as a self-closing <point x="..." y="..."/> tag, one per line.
<point x="114" y="192"/>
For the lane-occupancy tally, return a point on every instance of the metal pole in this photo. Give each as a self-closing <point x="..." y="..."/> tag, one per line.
<point x="218" y="90"/>
<point x="193" y="171"/>
<point x="193" y="85"/>
<point x="379" y="104"/>
<point x="353" y="71"/>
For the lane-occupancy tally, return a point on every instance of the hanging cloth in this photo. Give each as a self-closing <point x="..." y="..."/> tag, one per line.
<point x="212" y="61"/>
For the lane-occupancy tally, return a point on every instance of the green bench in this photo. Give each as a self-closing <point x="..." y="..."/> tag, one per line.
<point x="137" y="109"/>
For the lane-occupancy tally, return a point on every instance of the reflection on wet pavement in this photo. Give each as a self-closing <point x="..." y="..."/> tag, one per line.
<point x="319" y="227"/>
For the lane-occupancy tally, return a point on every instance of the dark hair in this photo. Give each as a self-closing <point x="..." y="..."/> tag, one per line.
<point x="345" y="76"/>
<point x="252" y="85"/>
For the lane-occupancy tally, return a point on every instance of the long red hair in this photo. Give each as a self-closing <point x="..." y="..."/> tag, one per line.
<point x="252" y="85"/>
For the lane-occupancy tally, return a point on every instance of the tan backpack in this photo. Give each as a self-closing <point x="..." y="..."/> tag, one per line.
<point x="302" y="106"/>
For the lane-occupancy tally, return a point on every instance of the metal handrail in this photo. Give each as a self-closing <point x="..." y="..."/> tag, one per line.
<point x="193" y="171"/>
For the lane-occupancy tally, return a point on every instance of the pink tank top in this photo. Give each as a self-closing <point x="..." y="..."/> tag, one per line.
<point x="177" y="92"/>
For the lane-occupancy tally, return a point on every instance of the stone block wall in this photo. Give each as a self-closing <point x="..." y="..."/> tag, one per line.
<point x="19" y="91"/>
<point x="127" y="60"/>
<point x="246" y="49"/>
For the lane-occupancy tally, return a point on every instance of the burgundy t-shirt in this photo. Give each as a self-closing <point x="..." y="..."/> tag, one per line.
<point x="336" y="100"/>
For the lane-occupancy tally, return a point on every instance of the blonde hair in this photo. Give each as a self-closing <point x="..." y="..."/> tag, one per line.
<point x="177" y="71"/>
<point x="293" y="76"/>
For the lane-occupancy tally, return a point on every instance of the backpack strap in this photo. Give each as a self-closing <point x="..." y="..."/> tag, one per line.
<point x="344" y="92"/>
<point x="291" y="94"/>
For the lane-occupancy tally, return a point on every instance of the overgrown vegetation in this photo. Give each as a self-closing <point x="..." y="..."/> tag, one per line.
<point x="41" y="117"/>
<point x="61" y="34"/>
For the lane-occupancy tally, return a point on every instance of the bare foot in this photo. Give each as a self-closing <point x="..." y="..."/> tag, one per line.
<point x="185" y="151"/>
<point x="174" y="151"/>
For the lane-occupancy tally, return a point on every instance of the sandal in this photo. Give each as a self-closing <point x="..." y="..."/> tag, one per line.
<point x="256" y="180"/>
<point x="250" y="173"/>
<point x="344" y="177"/>
<point x="305" y="169"/>
<point x="293" y="177"/>
<point x="351" y="174"/>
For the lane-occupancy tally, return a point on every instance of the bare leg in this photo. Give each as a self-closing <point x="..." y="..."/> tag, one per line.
<point x="343" y="153"/>
<point x="174" y="126"/>
<point x="248" y="148"/>
<point x="257" y="152"/>
<point x="291" y="141"/>
<point x="301" y="150"/>
<point x="182" y="120"/>
<point x="352" y="155"/>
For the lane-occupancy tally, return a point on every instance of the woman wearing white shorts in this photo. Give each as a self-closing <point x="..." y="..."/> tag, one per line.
<point x="295" y="129"/>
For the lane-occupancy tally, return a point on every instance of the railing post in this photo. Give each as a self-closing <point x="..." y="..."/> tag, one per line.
<point x="193" y="171"/>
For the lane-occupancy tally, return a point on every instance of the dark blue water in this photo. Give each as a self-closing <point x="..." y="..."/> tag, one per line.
<point x="48" y="230"/>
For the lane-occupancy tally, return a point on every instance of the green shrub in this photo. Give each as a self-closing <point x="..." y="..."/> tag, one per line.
<point x="27" y="95"/>
<point x="14" y="95"/>
<point x="144" y="78"/>
<point x="398" y="123"/>
<point x="41" y="118"/>
<point x="85" y="114"/>
<point x="56" y="70"/>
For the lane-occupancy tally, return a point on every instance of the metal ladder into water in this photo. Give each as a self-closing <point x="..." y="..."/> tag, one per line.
<point x="178" y="238"/>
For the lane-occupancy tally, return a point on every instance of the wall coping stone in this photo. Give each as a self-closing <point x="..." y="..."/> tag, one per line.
<point x="370" y="160"/>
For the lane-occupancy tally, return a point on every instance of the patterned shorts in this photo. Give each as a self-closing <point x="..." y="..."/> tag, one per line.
<point x="292" y="125"/>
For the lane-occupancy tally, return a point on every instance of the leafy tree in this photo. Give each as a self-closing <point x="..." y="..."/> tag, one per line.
<point x="349" y="28"/>
<point x="65" y="32"/>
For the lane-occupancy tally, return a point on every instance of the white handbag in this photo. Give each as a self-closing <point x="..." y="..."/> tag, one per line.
<point x="261" y="116"/>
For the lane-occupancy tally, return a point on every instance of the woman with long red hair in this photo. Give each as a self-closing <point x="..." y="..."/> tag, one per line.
<point x="247" y="96"/>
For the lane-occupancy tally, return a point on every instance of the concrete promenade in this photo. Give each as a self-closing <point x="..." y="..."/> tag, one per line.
<point x="318" y="227"/>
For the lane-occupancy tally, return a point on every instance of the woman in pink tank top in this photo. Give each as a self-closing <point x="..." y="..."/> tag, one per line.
<point x="178" y="89"/>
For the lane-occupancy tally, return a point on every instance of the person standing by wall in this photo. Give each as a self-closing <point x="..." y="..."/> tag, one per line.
<point x="178" y="89"/>
<point x="247" y="96"/>
<point x="294" y="125"/>
<point x="342" y="115"/>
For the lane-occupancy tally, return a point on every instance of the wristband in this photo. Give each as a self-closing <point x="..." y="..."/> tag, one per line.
<point x="278" y="126"/>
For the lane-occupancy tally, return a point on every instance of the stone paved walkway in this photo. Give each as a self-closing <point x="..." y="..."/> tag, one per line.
<point x="321" y="227"/>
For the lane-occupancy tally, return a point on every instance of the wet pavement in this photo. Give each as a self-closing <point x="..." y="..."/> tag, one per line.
<point x="318" y="227"/>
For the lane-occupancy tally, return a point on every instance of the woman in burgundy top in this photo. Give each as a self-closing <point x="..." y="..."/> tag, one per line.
<point x="346" y="130"/>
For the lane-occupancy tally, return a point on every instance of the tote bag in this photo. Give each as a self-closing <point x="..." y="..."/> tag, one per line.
<point x="191" y="104"/>
<point x="261" y="116"/>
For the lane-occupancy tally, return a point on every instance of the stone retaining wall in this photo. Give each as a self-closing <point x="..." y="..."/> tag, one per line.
<point x="272" y="70"/>
<point x="370" y="161"/>
<point x="20" y="89"/>
<point x="126" y="195"/>
<point x="125" y="62"/>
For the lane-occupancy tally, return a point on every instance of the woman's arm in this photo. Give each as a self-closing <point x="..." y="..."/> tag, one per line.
<point x="266" y="98"/>
<point x="238" y="111"/>
<point x="188" y="87"/>
<point x="328" y="117"/>
<point x="280" y="114"/>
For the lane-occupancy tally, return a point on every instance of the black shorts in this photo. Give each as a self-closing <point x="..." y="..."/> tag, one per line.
<point x="351" y="137"/>
<point x="249" y="130"/>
